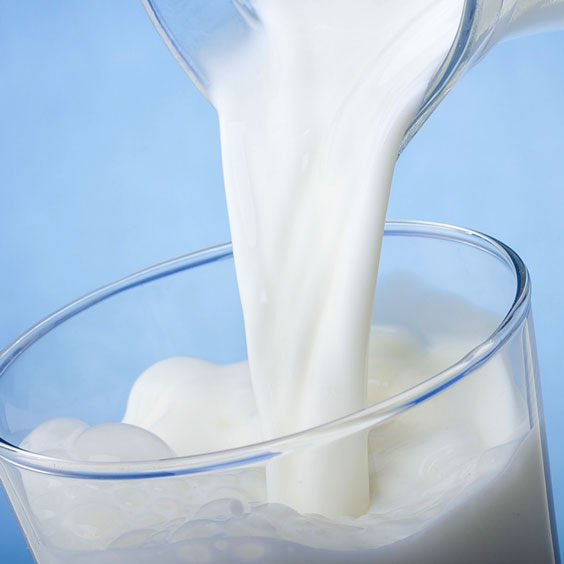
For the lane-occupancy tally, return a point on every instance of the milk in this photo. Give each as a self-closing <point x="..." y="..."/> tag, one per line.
<point x="435" y="472"/>
<point x="312" y="112"/>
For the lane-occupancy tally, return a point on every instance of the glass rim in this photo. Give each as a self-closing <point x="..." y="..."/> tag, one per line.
<point x="241" y="456"/>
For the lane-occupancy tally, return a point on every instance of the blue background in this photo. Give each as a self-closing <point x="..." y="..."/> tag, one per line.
<point x="109" y="161"/>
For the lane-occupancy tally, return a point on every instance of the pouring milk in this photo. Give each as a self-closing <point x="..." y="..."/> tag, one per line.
<point x="312" y="113"/>
<point x="313" y="107"/>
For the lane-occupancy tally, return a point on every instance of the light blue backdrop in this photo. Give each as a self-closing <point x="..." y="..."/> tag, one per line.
<point x="109" y="161"/>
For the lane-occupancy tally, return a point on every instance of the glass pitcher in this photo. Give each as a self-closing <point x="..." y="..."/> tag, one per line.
<point x="192" y="27"/>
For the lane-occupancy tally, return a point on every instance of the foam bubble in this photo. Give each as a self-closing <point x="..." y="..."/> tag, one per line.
<point x="119" y="442"/>
<point x="132" y="539"/>
<point x="55" y="435"/>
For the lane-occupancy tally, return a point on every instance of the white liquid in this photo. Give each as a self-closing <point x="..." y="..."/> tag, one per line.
<point x="435" y="472"/>
<point x="312" y="113"/>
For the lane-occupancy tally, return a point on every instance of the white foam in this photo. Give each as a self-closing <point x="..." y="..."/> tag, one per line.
<point x="185" y="401"/>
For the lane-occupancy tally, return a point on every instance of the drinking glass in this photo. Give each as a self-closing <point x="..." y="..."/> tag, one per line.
<point x="465" y="478"/>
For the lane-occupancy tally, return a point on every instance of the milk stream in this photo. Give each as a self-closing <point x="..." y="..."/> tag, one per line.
<point x="312" y="112"/>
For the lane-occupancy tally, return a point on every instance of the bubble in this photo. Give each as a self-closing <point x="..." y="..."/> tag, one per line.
<point x="220" y="509"/>
<point x="158" y="539"/>
<point x="54" y="435"/>
<point x="198" y="529"/>
<point x="119" y="442"/>
<point x="175" y="523"/>
<point x="132" y="538"/>
<point x="276" y="513"/>
<point x="250" y="526"/>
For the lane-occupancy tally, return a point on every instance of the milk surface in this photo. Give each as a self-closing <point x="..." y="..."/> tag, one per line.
<point x="435" y="472"/>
